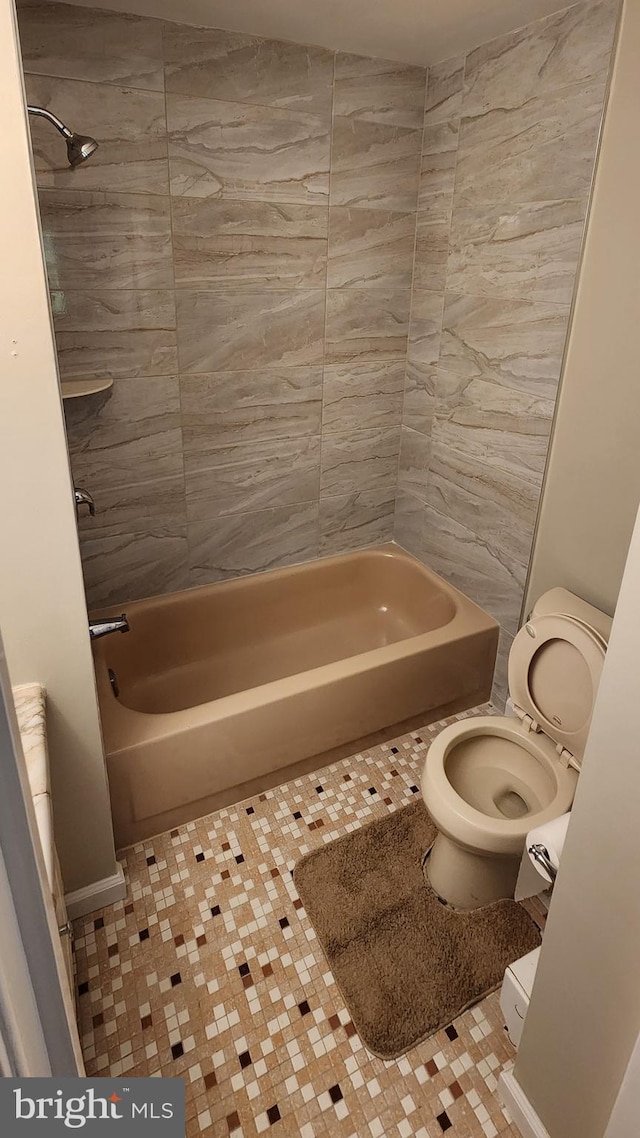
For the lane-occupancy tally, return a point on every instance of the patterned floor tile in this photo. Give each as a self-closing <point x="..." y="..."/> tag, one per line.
<point x="211" y="970"/>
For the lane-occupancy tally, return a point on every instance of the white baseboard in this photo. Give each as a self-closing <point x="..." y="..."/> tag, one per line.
<point x="95" y="896"/>
<point x="523" y="1115"/>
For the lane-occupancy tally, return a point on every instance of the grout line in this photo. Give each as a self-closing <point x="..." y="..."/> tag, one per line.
<point x="307" y="114"/>
<point x="326" y="295"/>
<point x="257" y="367"/>
<point x="119" y="86"/>
<point x="175" y="308"/>
<point x="413" y="273"/>
<point x="442" y="291"/>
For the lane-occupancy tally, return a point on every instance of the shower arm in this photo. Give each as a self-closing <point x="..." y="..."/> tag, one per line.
<point x="42" y="112"/>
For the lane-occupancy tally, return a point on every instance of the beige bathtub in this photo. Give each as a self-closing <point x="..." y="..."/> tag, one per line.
<point x="221" y="686"/>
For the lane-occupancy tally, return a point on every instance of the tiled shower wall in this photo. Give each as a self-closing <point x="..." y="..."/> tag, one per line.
<point x="509" y="148"/>
<point x="237" y="256"/>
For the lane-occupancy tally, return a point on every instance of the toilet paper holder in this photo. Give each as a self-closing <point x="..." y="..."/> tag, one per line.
<point x="541" y="854"/>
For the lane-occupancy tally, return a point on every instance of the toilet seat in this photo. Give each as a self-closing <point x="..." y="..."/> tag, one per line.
<point x="554" y="669"/>
<point x="488" y="780"/>
<point x="460" y="820"/>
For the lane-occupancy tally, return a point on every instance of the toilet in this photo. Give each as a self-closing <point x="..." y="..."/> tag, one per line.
<point x="488" y="780"/>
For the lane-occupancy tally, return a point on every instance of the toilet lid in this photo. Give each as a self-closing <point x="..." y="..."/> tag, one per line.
<point x="555" y="665"/>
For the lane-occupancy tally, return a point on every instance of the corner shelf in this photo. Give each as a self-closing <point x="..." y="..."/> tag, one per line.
<point x="74" y="388"/>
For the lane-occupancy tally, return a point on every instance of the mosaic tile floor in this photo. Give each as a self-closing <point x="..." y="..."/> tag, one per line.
<point x="211" y="970"/>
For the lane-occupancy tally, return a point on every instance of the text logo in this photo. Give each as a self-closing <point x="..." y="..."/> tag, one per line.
<point x="135" y="1109"/>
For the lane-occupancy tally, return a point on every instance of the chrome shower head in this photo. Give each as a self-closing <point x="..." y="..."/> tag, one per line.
<point x="79" y="146"/>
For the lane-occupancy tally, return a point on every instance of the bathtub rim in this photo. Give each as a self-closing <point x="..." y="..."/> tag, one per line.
<point x="124" y="727"/>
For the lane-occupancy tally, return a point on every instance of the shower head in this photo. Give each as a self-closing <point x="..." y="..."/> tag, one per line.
<point x="79" y="146"/>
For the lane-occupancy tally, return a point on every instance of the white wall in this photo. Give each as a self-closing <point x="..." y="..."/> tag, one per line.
<point x="584" y="1017"/>
<point x="42" y="608"/>
<point x="592" y="486"/>
<point x="415" y="31"/>
<point x="625" y="1119"/>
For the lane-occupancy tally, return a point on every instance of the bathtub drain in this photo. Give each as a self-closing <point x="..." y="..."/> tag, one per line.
<point x="113" y="680"/>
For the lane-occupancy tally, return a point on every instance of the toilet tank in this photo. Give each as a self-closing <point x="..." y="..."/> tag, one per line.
<point x="561" y="601"/>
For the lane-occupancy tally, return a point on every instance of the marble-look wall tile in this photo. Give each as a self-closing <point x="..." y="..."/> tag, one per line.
<point x="501" y="426"/>
<point x="419" y="403"/>
<point x="542" y="150"/>
<point x="242" y="330"/>
<point x="249" y="406"/>
<point x="220" y="244"/>
<point x="425" y="327"/>
<point x="566" y="48"/>
<point x="115" y="333"/>
<point x="195" y="244"/>
<point x="289" y="425"/>
<point x="370" y="248"/>
<point x="463" y="558"/>
<point x="358" y="396"/>
<point x="437" y="176"/>
<point x="409" y="523"/>
<point x="135" y="507"/>
<point x="499" y="367"/>
<point x="413" y="462"/>
<point x="128" y="124"/>
<point x="251" y="543"/>
<point x="251" y="476"/>
<point x="500" y="689"/>
<point x="515" y="343"/>
<point x="423" y="350"/>
<point x="87" y="43"/>
<point x="517" y="251"/>
<point x="106" y="240"/>
<point x="445" y="85"/>
<point x="437" y="170"/>
<point x="242" y="151"/>
<point x="359" y="461"/>
<point x="235" y="67"/>
<point x="349" y="521"/>
<point x="508" y="154"/>
<point x="375" y="164"/>
<point x="366" y="325"/>
<point x="116" y="310"/>
<point x="128" y="434"/>
<point x="379" y="90"/>
<point x="532" y="108"/>
<point x="128" y="566"/>
<point x="498" y="506"/>
<point x="432" y="251"/>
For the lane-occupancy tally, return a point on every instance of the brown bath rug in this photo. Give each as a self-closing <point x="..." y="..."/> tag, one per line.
<point x="405" y="963"/>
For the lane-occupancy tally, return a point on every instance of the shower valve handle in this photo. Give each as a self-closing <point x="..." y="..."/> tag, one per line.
<point x="83" y="498"/>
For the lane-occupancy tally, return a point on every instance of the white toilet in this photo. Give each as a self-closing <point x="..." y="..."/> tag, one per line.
<point x="487" y="781"/>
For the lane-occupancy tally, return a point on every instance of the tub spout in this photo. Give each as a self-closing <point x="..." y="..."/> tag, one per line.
<point x="98" y="628"/>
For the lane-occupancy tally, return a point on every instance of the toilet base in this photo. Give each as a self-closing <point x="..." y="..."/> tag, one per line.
<point x="468" y="880"/>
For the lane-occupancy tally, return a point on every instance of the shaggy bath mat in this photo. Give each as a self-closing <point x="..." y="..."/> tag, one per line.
<point x="405" y="963"/>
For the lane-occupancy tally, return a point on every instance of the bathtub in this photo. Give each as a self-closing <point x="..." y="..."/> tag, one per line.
<point x="222" y="687"/>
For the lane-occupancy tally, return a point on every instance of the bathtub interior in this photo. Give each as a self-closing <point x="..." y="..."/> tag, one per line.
<point x="189" y="648"/>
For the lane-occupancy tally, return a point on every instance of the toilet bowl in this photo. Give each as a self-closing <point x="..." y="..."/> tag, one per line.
<point x="488" y="780"/>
